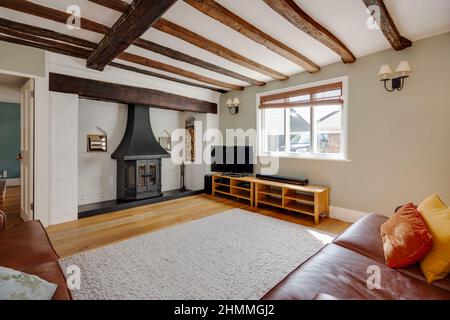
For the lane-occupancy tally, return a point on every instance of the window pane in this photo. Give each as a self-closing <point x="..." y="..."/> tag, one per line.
<point x="300" y="133"/>
<point x="274" y="130"/>
<point x="328" y="128"/>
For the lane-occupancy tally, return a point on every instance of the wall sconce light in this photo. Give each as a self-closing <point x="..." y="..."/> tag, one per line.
<point x="233" y="105"/>
<point x="398" y="78"/>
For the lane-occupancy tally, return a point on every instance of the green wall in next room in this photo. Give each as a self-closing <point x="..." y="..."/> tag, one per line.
<point x="10" y="138"/>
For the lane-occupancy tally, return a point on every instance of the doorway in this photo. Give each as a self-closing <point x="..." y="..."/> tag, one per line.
<point x="17" y="147"/>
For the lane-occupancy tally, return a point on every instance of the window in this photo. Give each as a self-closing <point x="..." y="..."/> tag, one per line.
<point x="307" y="121"/>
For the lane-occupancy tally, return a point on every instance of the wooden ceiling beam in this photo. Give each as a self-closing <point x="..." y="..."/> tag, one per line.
<point x="172" y="69"/>
<point x="228" y="18"/>
<point x="162" y="76"/>
<point x="138" y="18"/>
<point x="215" y="48"/>
<point x="300" y="19"/>
<point x="107" y="91"/>
<point x="45" y="33"/>
<point x="56" y="47"/>
<point x="51" y="14"/>
<point x="388" y="26"/>
<point x="199" y="41"/>
<point x="117" y="5"/>
<point x="180" y="56"/>
<point x="32" y="36"/>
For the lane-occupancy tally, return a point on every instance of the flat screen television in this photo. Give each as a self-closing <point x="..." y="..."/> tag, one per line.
<point x="232" y="159"/>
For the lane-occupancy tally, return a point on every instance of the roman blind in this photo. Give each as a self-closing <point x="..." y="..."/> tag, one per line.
<point x="329" y="94"/>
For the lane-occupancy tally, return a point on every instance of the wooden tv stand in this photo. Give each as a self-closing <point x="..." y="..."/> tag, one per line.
<point x="310" y="200"/>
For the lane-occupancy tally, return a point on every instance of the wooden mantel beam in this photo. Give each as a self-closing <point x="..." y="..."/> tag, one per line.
<point x="198" y="41"/>
<point x="300" y="19"/>
<point x="388" y="26"/>
<point x="228" y="18"/>
<point x="107" y="91"/>
<point x="138" y="18"/>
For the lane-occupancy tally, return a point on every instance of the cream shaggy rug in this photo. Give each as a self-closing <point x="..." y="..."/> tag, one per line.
<point x="232" y="255"/>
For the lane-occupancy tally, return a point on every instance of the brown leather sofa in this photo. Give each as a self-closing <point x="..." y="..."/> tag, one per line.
<point x="27" y="248"/>
<point x="340" y="270"/>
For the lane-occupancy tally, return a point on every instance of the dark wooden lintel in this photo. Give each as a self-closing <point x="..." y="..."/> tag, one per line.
<point x="107" y="91"/>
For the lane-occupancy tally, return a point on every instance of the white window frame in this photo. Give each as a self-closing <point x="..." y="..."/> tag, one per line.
<point x="343" y="156"/>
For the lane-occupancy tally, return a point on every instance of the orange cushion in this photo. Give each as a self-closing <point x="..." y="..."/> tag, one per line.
<point x="406" y="238"/>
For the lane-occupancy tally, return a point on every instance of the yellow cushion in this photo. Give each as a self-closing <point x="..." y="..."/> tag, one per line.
<point x="436" y="264"/>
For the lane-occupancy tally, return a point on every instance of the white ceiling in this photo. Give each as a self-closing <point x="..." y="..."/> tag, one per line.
<point x="415" y="19"/>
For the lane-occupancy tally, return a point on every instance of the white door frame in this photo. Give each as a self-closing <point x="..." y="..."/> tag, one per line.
<point x="41" y="145"/>
<point x="27" y="115"/>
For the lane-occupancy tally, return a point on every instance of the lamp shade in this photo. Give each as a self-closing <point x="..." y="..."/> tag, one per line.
<point x="404" y="68"/>
<point x="229" y="102"/>
<point x="385" y="71"/>
<point x="236" y="101"/>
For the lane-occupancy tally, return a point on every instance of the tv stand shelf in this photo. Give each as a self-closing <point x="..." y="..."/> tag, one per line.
<point x="310" y="200"/>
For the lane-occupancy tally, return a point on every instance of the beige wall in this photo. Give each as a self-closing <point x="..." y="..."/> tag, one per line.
<point x="22" y="59"/>
<point x="398" y="143"/>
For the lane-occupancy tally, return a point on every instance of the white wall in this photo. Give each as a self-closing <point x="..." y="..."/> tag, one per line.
<point x="195" y="172"/>
<point x="96" y="170"/>
<point x="63" y="158"/>
<point x="164" y="121"/>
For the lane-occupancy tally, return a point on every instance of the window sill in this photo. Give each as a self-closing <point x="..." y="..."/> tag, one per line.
<point x="304" y="157"/>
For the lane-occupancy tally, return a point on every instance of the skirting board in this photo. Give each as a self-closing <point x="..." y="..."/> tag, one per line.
<point x="347" y="215"/>
<point x="12" y="182"/>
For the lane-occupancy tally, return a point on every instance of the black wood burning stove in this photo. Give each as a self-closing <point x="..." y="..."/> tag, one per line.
<point x="139" y="158"/>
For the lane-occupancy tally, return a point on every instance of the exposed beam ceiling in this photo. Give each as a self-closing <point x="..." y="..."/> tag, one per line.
<point x="59" y="16"/>
<point x="199" y="41"/>
<point x="117" y="5"/>
<point x="299" y="18"/>
<point x="139" y="17"/>
<point x="51" y="14"/>
<point x="161" y="76"/>
<point x="32" y="36"/>
<point x="228" y="18"/>
<point x="41" y="32"/>
<point x="215" y="48"/>
<point x="172" y="69"/>
<point x="388" y="27"/>
<point x="180" y="56"/>
<point x="127" y="94"/>
<point x="53" y="47"/>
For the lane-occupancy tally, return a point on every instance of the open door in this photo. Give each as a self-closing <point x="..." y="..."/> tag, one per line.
<point x="26" y="155"/>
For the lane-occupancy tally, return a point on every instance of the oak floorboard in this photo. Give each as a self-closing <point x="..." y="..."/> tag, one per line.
<point x="98" y="231"/>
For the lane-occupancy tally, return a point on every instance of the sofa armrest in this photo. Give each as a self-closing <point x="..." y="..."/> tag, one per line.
<point x="2" y="221"/>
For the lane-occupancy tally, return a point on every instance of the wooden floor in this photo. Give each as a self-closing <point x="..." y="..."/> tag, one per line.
<point x="89" y="233"/>
<point x="12" y="206"/>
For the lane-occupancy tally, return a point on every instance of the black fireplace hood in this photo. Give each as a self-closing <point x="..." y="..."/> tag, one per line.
<point x="139" y="142"/>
